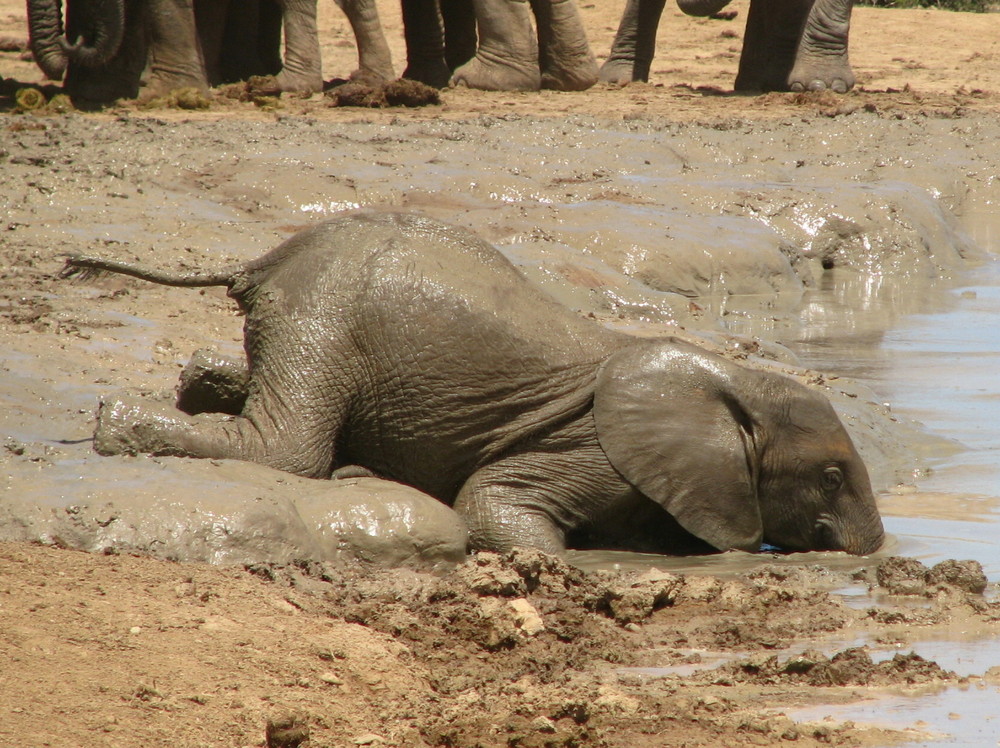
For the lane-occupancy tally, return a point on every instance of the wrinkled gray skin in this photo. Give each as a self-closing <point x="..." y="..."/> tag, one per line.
<point x="789" y="45"/>
<point x="418" y="352"/>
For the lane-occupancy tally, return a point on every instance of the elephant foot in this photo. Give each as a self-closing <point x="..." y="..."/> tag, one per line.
<point x="435" y="74"/>
<point x="489" y="74"/>
<point x="212" y="383"/>
<point x="822" y="75"/>
<point x="289" y="82"/>
<point x="577" y="73"/>
<point x="130" y="425"/>
<point x="162" y="83"/>
<point x="619" y="72"/>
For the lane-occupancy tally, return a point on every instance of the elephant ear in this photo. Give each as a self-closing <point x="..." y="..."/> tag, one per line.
<point x="670" y="422"/>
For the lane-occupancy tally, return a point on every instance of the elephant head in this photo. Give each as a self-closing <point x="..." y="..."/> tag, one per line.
<point x="99" y="29"/>
<point x="737" y="456"/>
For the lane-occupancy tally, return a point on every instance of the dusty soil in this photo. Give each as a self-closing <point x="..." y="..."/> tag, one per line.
<point x="120" y="650"/>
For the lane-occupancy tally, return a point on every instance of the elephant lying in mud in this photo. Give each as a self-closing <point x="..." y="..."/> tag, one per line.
<point x="417" y="351"/>
<point x="789" y="45"/>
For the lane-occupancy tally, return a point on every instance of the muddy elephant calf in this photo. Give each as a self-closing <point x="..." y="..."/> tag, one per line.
<point x="416" y="350"/>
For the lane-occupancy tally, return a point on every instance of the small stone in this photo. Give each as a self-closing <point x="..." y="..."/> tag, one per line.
<point x="135" y="630"/>
<point x="331" y="679"/>
<point x="369" y="738"/>
<point x="526" y="616"/>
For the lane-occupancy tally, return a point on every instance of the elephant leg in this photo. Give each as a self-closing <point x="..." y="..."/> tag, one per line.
<point x="289" y="421"/>
<point x="212" y="383"/>
<point x="175" y="59"/>
<point x="460" y="38"/>
<point x="374" y="57"/>
<point x="302" y="70"/>
<point x="424" y="31"/>
<point x="564" y="55"/>
<point x="821" y="61"/>
<point x="770" y="43"/>
<point x="635" y="43"/>
<point x="507" y="58"/>
<point x="537" y="498"/>
<point x="210" y="22"/>
<point x="497" y="521"/>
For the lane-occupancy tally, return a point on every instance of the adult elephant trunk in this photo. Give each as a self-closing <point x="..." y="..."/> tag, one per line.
<point x="45" y="29"/>
<point x="701" y="8"/>
<point x="98" y="33"/>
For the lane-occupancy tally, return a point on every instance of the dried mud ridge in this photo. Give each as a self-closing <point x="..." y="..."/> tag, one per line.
<point x="525" y="650"/>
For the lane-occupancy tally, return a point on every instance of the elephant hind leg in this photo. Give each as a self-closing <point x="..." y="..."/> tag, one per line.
<point x="289" y="421"/>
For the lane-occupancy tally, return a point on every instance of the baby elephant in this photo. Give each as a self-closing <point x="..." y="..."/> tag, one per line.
<point x="417" y="351"/>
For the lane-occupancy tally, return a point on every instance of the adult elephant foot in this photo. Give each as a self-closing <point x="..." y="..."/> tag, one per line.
<point x="564" y="55"/>
<point x="821" y="75"/>
<point x="618" y="72"/>
<point x="487" y="74"/>
<point x="436" y="74"/>
<point x="507" y="58"/>
<point x="307" y="82"/>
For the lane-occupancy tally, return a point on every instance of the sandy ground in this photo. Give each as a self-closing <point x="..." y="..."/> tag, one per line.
<point x="119" y="649"/>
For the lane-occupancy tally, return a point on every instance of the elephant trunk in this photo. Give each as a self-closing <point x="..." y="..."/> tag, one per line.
<point x="45" y="30"/>
<point x="106" y="22"/>
<point x="701" y="8"/>
<point x="858" y="538"/>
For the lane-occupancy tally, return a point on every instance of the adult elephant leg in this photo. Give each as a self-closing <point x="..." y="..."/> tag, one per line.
<point x="460" y="39"/>
<point x="210" y="22"/>
<point x="564" y="55"/>
<point x="374" y="57"/>
<point x="770" y="42"/>
<point x="423" y="28"/>
<point x="821" y="60"/>
<point x="635" y="43"/>
<point x="175" y="58"/>
<point x="507" y="58"/>
<point x="302" y="69"/>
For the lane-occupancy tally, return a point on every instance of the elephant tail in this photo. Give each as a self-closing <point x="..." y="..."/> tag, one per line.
<point x="86" y="268"/>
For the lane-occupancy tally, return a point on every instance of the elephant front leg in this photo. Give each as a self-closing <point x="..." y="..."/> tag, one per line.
<point x="498" y="520"/>
<point x="821" y="61"/>
<point x="564" y="55"/>
<point x="635" y="43"/>
<point x="507" y="58"/>
<point x="302" y="69"/>
<point x="175" y="58"/>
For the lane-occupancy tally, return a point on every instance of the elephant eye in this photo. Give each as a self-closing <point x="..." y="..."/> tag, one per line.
<point x="833" y="478"/>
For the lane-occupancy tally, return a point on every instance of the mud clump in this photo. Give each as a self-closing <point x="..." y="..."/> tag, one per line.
<point x="908" y="576"/>
<point x="402" y="92"/>
<point x="851" y="667"/>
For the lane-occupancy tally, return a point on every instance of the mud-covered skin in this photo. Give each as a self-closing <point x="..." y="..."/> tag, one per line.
<point x="417" y="351"/>
<point x="788" y="45"/>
